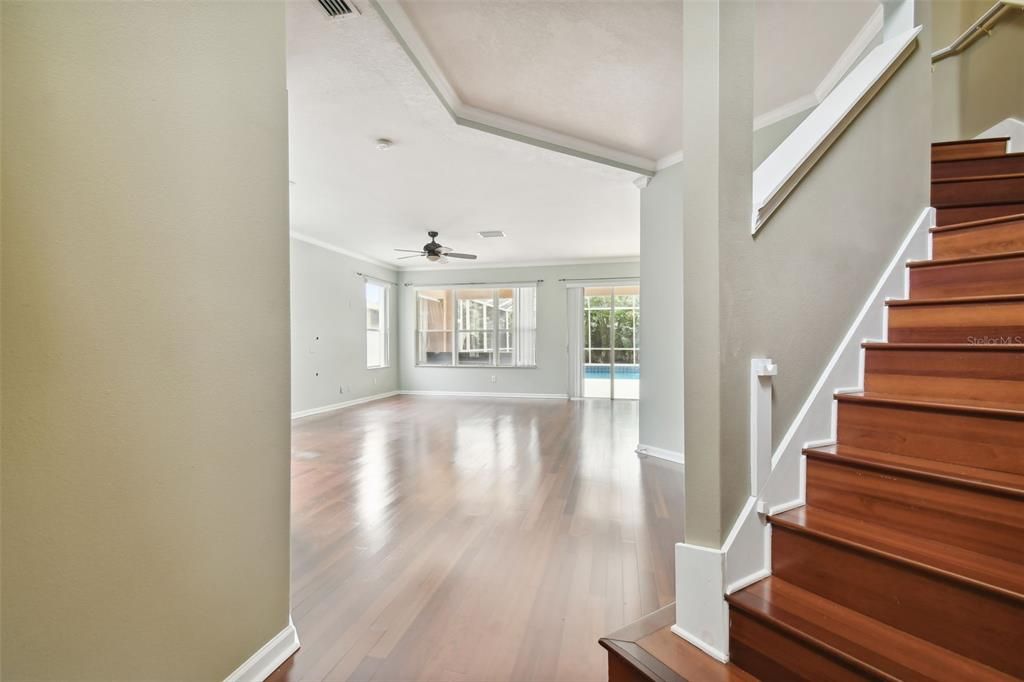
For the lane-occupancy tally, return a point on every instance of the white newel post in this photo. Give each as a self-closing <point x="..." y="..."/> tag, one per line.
<point x="761" y="372"/>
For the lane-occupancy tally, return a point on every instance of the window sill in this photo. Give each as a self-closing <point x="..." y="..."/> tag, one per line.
<point x="379" y="367"/>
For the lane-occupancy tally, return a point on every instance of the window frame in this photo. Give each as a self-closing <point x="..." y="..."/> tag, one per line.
<point x="383" y="323"/>
<point x="454" y="326"/>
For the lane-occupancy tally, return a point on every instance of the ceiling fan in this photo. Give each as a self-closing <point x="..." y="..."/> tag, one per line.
<point x="434" y="251"/>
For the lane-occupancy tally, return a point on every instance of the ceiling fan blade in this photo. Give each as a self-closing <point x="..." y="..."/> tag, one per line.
<point x="417" y="251"/>
<point x="461" y="255"/>
<point x="416" y="255"/>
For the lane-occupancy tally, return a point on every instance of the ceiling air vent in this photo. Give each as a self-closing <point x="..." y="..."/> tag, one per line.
<point x="338" y="8"/>
<point x="491" y="234"/>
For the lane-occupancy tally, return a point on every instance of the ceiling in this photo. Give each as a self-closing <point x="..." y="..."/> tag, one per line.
<point x="608" y="73"/>
<point x="349" y="83"/>
<point x="598" y="80"/>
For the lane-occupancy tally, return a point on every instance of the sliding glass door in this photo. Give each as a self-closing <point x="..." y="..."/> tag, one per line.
<point x="611" y="339"/>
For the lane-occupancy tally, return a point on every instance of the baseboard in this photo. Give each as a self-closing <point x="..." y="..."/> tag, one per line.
<point x="477" y="394"/>
<point x="660" y="453"/>
<point x="341" y="406"/>
<point x="1011" y="128"/>
<point x="269" y="657"/>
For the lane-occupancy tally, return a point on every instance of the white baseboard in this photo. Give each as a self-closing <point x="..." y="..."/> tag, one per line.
<point x="660" y="453"/>
<point x="269" y="657"/>
<point x="341" y="406"/>
<point x="1011" y="128"/>
<point x="477" y="394"/>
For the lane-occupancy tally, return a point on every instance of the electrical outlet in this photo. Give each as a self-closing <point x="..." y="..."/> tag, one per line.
<point x="341" y="389"/>
<point x="494" y="379"/>
<point x="375" y="381"/>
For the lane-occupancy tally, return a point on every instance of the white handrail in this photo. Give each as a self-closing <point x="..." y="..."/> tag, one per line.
<point x="984" y="24"/>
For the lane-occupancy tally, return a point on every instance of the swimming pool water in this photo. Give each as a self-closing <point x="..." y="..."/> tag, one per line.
<point x="604" y="371"/>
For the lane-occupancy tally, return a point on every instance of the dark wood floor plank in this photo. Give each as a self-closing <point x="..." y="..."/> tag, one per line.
<point x="440" y="539"/>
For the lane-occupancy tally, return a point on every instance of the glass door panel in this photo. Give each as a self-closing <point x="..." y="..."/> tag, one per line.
<point x="626" y="339"/>
<point x="611" y="325"/>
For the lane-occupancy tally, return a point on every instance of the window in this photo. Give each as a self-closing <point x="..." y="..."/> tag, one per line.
<point x="471" y="327"/>
<point x="377" y="319"/>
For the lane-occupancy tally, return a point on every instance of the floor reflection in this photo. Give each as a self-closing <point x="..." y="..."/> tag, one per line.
<point x="474" y="539"/>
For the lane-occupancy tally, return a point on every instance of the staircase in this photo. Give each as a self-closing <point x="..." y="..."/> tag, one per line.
<point x="907" y="562"/>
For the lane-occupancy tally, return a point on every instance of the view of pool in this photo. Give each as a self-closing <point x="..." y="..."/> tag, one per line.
<point x="604" y="371"/>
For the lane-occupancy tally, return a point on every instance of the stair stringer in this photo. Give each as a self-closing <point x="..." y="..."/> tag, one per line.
<point x="747" y="557"/>
<point x="705" y="576"/>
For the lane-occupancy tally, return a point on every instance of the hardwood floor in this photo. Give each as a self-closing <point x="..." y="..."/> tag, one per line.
<point x="474" y="539"/>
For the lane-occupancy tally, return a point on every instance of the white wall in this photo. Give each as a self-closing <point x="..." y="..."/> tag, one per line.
<point x="329" y="329"/>
<point x="551" y="376"/>
<point x="145" y="338"/>
<point x="661" y="305"/>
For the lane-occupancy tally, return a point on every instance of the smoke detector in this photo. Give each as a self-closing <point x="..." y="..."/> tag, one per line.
<point x="384" y="144"/>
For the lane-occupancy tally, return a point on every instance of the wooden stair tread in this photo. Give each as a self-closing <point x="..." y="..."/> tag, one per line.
<point x="977" y="140"/>
<point x="655" y="653"/>
<point x="956" y="300"/>
<point x="998" y="482"/>
<point x="989" y="156"/>
<point x="976" y="407"/>
<point x="938" y="262"/>
<point x="863" y="642"/>
<point x="977" y="223"/>
<point x="981" y="571"/>
<point x="958" y="347"/>
<point x="978" y="178"/>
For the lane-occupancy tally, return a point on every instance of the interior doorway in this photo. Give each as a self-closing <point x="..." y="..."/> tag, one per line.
<point x="611" y="342"/>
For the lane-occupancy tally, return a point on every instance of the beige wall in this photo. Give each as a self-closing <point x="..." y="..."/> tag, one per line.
<point x="144" y="338"/>
<point x="985" y="84"/>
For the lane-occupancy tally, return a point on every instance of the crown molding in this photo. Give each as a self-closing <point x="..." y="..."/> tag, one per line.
<point x="313" y="241"/>
<point x="402" y="27"/>
<point x="451" y="265"/>
<point x="526" y="264"/>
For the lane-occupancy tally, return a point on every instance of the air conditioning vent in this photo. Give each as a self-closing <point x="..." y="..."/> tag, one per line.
<point x="491" y="234"/>
<point x="338" y="8"/>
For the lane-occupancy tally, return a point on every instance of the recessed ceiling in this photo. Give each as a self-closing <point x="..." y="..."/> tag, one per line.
<point x="599" y="80"/>
<point x="607" y="75"/>
<point x="349" y="83"/>
<point x="608" y="72"/>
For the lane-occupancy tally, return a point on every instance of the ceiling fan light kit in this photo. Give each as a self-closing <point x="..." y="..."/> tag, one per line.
<point x="435" y="252"/>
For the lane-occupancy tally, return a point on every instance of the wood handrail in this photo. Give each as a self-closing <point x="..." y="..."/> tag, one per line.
<point x="984" y="24"/>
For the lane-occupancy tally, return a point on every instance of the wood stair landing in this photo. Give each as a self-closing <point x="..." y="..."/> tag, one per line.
<point x="648" y="651"/>
<point x="907" y="561"/>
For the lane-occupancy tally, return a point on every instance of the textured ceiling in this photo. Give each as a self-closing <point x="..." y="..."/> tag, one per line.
<point x="606" y="72"/>
<point x="610" y="72"/>
<point x="350" y="82"/>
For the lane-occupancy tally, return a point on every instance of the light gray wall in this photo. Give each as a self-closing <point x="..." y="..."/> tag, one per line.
<point x="145" y="338"/>
<point x="766" y="139"/>
<point x="551" y="376"/>
<point x="328" y="315"/>
<point x="661" y="303"/>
